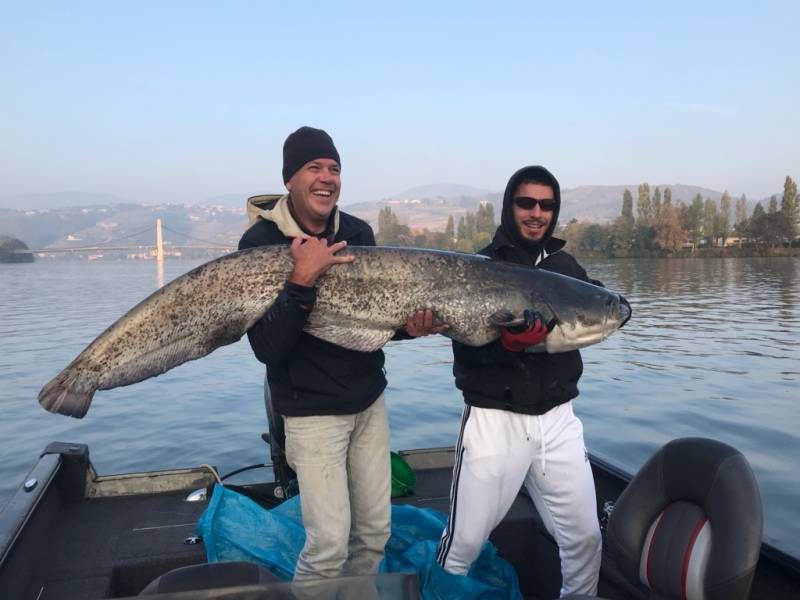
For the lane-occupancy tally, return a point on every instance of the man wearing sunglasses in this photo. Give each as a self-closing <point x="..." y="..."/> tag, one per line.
<point x="518" y="426"/>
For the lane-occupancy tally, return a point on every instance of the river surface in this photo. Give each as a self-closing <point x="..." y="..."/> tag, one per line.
<point x="713" y="350"/>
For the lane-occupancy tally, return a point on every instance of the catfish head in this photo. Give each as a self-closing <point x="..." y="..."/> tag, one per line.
<point x="577" y="313"/>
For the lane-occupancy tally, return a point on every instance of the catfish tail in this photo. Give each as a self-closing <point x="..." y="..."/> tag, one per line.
<point x="68" y="394"/>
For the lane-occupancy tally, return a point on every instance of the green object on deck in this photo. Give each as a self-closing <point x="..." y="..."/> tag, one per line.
<point x="403" y="478"/>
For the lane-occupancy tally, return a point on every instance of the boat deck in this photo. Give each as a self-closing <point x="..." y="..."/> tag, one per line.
<point x="79" y="536"/>
<point x="107" y="547"/>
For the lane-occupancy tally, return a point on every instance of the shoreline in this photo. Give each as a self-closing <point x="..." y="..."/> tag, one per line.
<point x="701" y="253"/>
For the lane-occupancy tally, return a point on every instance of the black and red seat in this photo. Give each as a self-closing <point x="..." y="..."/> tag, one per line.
<point x="689" y="524"/>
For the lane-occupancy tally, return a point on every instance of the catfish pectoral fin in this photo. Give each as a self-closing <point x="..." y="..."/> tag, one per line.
<point x="505" y="318"/>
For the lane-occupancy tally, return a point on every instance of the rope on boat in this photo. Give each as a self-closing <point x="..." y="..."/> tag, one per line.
<point x="214" y="472"/>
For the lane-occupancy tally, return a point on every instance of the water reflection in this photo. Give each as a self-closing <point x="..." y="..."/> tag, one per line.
<point x="160" y="272"/>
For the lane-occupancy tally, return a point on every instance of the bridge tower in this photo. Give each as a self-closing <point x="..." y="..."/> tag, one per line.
<point x="159" y="242"/>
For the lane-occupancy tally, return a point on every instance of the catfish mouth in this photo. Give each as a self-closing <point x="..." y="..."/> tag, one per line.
<point x="591" y="327"/>
<point x="625" y="311"/>
<point x="618" y="312"/>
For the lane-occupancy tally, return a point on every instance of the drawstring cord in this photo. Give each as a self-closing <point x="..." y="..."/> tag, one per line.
<point x="542" y="445"/>
<point x="542" y="448"/>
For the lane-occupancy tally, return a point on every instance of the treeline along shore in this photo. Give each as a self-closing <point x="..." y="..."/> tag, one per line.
<point x="658" y="227"/>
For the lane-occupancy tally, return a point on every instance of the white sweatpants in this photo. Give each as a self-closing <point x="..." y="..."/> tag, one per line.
<point x="498" y="452"/>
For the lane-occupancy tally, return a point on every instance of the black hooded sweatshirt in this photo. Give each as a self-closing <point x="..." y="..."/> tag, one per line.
<point x="523" y="382"/>
<point x="309" y="376"/>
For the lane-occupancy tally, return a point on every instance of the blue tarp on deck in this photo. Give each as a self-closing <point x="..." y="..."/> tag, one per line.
<point x="235" y="527"/>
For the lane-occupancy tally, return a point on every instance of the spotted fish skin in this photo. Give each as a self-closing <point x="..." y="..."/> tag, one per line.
<point x="359" y="306"/>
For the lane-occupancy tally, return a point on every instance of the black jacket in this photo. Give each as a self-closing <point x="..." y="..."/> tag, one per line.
<point x="523" y="382"/>
<point x="307" y="375"/>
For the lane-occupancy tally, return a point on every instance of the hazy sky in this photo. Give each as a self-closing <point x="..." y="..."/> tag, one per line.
<point x="183" y="101"/>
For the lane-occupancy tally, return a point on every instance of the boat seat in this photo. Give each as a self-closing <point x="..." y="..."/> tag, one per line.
<point x="689" y="524"/>
<point x="209" y="576"/>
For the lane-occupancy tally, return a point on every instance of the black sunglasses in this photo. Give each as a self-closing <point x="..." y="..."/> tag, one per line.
<point x="525" y="203"/>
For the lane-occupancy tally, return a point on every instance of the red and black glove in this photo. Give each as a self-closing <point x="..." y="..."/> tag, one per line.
<point x="517" y="341"/>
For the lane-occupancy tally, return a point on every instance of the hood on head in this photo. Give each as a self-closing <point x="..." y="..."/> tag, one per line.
<point x="539" y="175"/>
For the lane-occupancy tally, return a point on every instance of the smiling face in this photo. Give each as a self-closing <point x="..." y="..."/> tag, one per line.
<point x="314" y="189"/>
<point x="532" y="223"/>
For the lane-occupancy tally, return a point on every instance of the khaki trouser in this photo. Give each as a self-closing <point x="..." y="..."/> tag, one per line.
<point x="343" y="469"/>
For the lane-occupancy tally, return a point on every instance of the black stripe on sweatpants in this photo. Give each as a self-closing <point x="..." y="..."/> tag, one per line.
<point x="447" y="539"/>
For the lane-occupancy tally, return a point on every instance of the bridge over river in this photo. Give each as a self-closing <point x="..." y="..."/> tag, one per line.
<point x="125" y="244"/>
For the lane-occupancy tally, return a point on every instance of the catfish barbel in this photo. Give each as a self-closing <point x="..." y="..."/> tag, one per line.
<point x="359" y="306"/>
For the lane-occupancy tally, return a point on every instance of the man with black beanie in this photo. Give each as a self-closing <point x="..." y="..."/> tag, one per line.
<point x="328" y="398"/>
<point x="518" y="426"/>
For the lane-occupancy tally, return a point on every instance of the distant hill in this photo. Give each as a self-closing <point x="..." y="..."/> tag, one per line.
<point x="59" y="200"/>
<point x="133" y="223"/>
<point x="82" y="199"/>
<point x="426" y="206"/>
<point x="230" y="200"/>
<point x="586" y="203"/>
<point x="418" y="213"/>
<point x="442" y="190"/>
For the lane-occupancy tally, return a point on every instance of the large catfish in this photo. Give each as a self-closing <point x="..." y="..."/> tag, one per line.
<point x="359" y="305"/>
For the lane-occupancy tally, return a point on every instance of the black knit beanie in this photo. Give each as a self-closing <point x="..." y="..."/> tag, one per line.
<point x="304" y="145"/>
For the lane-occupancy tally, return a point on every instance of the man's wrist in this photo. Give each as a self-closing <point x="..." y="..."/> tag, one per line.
<point x="303" y="295"/>
<point x="302" y="279"/>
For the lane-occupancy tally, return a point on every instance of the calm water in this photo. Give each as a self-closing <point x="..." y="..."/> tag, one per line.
<point x="713" y="349"/>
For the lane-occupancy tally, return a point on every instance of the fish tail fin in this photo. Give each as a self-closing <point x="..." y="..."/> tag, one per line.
<point x="67" y="394"/>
